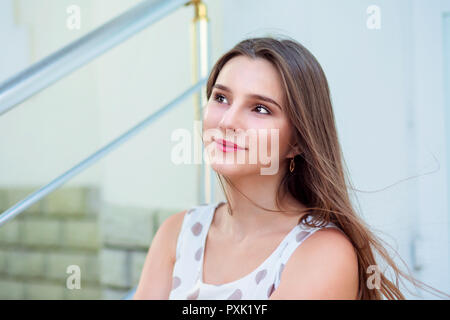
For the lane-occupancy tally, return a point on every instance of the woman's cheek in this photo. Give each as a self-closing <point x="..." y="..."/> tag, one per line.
<point x="211" y="115"/>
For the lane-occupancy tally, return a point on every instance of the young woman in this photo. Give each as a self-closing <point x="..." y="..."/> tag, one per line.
<point x="290" y="234"/>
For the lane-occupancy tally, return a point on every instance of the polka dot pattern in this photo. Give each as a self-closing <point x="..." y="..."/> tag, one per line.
<point x="271" y="290"/>
<point x="197" y="228"/>
<point x="198" y="254"/>
<point x="259" y="283"/>
<point x="176" y="281"/>
<point x="236" y="295"/>
<point x="260" y="275"/>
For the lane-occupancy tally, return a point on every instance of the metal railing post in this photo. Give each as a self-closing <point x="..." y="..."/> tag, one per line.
<point x="200" y="46"/>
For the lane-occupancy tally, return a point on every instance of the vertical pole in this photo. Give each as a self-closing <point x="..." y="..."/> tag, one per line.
<point x="200" y="46"/>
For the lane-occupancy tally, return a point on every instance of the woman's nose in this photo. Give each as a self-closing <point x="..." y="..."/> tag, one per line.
<point x="232" y="118"/>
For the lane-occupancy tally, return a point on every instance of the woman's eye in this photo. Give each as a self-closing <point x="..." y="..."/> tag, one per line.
<point x="261" y="106"/>
<point x="217" y="97"/>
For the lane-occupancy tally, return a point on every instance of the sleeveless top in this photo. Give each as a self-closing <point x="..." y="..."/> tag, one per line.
<point x="188" y="268"/>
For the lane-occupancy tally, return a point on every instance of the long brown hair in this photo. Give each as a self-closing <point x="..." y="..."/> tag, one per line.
<point x="319" y="180"/>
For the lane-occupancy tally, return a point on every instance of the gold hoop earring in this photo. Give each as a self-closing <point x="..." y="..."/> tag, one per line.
<point x="292" y="165"/>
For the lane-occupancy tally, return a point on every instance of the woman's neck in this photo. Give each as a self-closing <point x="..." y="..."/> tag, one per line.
<point x="247" y="219"/>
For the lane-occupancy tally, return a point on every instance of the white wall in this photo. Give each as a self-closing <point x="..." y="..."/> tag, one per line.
<point x="14" y="55"/>
<point x="428" y="101"/>
<point x="55" y="129"/>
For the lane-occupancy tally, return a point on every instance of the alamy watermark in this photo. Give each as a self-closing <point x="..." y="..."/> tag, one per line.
<point x="73" y="21"/>
<point x="74" y="280"/>
<point x="252" y="147"/>
<point x="374" y="18"/>
<point x="374" y="281"/>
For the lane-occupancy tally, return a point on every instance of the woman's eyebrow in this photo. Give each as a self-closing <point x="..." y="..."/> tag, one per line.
<point x="257" y="96"/>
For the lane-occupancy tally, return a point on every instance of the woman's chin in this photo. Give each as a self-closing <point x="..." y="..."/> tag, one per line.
<point x="233" y="170"/>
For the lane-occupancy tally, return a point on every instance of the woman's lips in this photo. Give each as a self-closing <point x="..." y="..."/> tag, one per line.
<point x="227" y="146"/>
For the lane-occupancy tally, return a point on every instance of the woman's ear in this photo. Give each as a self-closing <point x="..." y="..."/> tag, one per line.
<point x="295" y="150"/>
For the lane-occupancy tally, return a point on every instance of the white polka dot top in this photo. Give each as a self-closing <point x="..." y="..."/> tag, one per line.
<point x="258" y="285"/>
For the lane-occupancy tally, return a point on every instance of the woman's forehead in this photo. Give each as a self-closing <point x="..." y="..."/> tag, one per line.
<point x="244" y="75"/>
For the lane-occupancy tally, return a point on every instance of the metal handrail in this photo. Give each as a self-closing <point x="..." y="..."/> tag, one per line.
<point x="78" y="53"/>
<point x="42" y="74"/>
<point x="43" y="191"/>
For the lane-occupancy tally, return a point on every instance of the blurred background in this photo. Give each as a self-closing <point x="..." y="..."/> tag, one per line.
<point x="388" y="67"/>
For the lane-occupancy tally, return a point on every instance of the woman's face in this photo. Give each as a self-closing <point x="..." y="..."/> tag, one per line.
<point x="246" y="107"/>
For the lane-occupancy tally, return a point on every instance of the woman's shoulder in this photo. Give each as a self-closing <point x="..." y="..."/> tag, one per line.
<point x="175" y="221"/>
<point x="328" y="236"/>
<point x="172" y="226"/>
<point x="169" y="230"/>
<point x="326" y="261"/>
